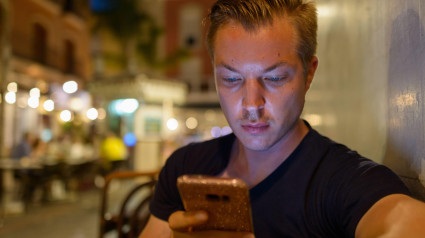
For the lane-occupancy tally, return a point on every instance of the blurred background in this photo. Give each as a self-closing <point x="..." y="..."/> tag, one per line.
<point x="89" y="87"/>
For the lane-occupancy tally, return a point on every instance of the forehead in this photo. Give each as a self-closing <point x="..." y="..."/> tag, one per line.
<point x="277" y="39"/>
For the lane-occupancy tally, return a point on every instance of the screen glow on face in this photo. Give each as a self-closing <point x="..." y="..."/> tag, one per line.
<point x="260" y="82"/>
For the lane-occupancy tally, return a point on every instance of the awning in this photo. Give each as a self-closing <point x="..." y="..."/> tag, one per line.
<point x="139" y="87"/>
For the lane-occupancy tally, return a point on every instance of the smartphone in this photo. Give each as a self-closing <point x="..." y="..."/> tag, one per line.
<point x="225" y="199"/>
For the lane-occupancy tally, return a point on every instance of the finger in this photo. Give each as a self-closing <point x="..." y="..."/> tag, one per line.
<point x="183" y="220"/>
<point x="212" y="234"/>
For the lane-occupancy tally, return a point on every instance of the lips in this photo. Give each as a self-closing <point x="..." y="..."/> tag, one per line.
<point x="255" y="128"/>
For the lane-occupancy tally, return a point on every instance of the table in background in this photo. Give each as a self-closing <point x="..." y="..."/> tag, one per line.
<point x="8" y="165"/>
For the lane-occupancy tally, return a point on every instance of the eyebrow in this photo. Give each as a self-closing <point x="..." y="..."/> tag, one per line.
<point x="271" y="68"/>
<point x="275" y="66"/>
<point x="227" y="67"/>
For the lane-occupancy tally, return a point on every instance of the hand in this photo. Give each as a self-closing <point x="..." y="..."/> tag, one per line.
<point x="182" y="223"/>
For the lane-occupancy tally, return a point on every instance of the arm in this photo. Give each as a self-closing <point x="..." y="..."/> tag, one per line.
<point x="395" y="215"/>
<point x="156" y="228"/>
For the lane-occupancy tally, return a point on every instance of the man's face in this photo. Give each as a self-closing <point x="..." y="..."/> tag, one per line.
<point x="260" y="81"/>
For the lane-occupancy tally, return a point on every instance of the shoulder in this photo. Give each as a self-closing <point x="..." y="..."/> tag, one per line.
<point x="352" y="182"/>
<point x="204" y="147"/>
<point x="351" y="173"/>
<point x="201" y="155"/>
<point x="338" y="156"/>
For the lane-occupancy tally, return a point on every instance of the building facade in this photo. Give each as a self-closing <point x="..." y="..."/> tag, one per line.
<point x="49" y="44"/>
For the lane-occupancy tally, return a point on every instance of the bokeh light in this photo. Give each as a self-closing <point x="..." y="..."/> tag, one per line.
<point x="10" y="97"/>
<point x="66" y="115"/>
<point x="124" y="106"/>
<point x="33" y="102"/>
<point x="129" y="105"/>
<point x="92" y="114"/>
<point x="46" y="135"/>
<point x="216" y="132"/>
<point x="172" y="124"/>
<point x="130" y="139"/>
<point x="35" y="93"/>
<point x="12" y="87"/>
<point x="76" y="104"/>
<point x="209" y="115"/>
<point x="70" y="87"/>
<point x="49" y="105"/>
<point x="101" y="113"/>
<point x="225" y="130"/>
<point x="191" y="123"/>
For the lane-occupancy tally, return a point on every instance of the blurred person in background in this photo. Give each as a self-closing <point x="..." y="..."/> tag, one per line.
<point x="24" y="147"/>
<point x="39" y="150"/>
<point x="302" y="184"/>
<point x="30" y="151"/>
<point x="54" y="151"/>
<point x="77" y="151"/>
<point x="91" y="150"/>
<point x="113" y="153"/>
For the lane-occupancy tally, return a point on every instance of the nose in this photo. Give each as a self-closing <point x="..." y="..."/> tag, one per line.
<point x="253" y="97"/>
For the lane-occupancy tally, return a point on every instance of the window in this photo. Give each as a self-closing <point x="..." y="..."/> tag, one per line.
<point x="69" y="57"/>
<point x="190" y="26"/>
<point x="40" y="44"/>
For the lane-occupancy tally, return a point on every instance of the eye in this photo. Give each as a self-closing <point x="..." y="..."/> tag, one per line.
<point x="274" y="79"/>
<point x="231" y="79"/>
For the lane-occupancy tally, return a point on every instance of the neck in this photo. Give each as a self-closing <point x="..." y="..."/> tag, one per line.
<point x="254" y="166"/>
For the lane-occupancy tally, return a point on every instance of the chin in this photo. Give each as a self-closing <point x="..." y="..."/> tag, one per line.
<point x="255" y="144"/>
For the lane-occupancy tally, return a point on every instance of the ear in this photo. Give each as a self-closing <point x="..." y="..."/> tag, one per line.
<point x="311" y="71"/>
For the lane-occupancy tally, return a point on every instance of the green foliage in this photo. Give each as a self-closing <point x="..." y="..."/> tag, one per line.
<point x="177" y="56"/>
<point x="147" y="46"/>
<point x="114" y="60"/>
<point x="123" y="20"/>
<point x="126" y="22"/>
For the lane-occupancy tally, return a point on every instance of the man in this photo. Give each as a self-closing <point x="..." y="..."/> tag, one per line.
<point x="24" y="148"/>
<point x="301" y="183"/>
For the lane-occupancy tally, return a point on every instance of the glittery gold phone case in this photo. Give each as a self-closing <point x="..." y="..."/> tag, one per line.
<point x="225" y="199"/>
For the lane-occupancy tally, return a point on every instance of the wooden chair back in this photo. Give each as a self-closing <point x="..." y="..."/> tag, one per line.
<point x="132" y="213"/>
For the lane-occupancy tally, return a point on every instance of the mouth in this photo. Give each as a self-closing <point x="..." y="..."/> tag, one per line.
<point x="255" y="128"/>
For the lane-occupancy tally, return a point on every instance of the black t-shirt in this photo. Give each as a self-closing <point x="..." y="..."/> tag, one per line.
<point x="321" y="190"/>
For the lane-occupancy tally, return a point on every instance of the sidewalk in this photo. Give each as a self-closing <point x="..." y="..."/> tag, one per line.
<point x="66" y="219"/>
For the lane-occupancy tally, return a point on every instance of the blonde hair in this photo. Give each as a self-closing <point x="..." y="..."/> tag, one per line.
<point x="253" y="14"/>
